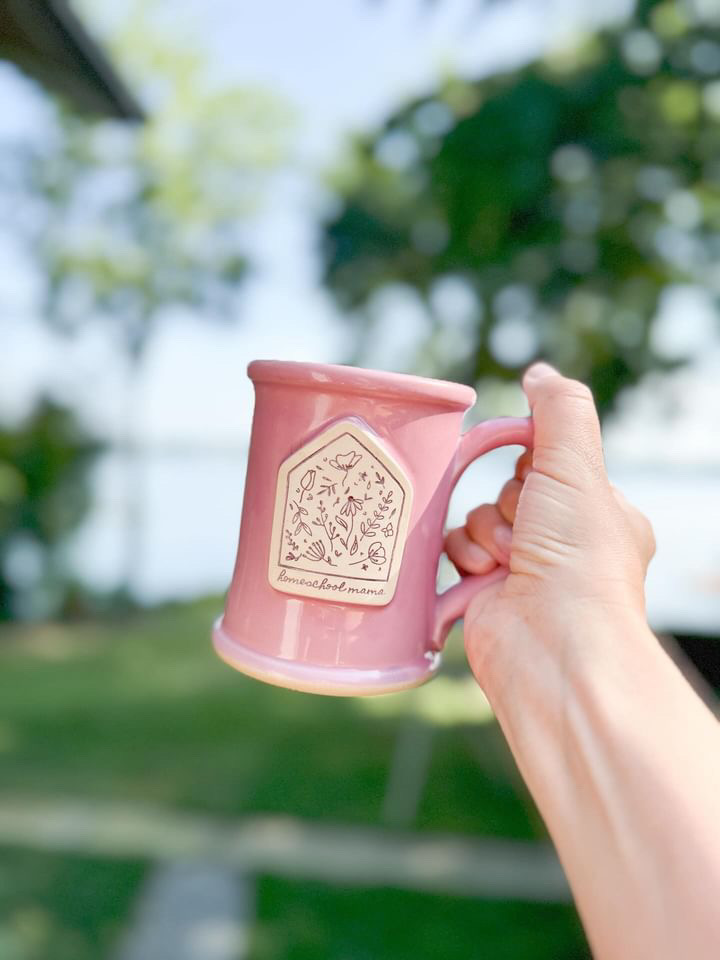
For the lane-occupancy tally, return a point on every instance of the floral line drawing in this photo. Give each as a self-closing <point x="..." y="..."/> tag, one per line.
<point x="327" y="488"/>
<point x="351" y="507"/>
<point x="346" y="461"/>
<point x="297" y="519"/>
<point x="307" y="483"/>
<point x="376" y="554"/>
<point x="372" y="526"/>
<point x="322" y="520"/>
<point x="316" y="551"/>
<point x="348" y="520"/>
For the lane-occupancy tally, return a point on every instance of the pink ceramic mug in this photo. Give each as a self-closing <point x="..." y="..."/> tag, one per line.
<point x="348" y="480"/>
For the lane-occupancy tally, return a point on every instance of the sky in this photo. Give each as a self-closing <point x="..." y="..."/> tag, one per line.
<point x="342" y="66"/>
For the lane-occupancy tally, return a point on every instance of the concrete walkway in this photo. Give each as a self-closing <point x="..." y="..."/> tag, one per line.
<point x="190" y="911"/>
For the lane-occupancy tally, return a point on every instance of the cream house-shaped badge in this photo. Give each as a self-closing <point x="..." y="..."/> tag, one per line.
<point x="342" y="509"/>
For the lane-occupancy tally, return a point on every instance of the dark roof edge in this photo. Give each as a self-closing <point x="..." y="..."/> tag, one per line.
<point x="94" y="61"/>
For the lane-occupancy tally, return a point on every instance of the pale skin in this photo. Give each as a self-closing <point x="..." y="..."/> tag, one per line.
<point x="619" y="753"/>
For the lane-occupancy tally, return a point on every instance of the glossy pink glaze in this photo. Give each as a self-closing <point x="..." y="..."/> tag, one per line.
<point x="327" y="646"/>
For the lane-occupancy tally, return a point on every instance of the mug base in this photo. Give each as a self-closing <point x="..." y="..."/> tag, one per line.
<point x="330" y="681"/>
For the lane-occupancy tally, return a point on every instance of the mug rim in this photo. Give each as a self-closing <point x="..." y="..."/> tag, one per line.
<point x="348" y="379"/>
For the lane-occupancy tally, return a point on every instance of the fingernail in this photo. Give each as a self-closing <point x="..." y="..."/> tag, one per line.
<point x="502" y="535"/>
<point x="540" y="370"/>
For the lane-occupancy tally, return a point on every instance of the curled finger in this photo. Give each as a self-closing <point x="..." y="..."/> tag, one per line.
<point x="488" y="528"/>
<point x="468" y="556"/>
<point x="508" y="500"/>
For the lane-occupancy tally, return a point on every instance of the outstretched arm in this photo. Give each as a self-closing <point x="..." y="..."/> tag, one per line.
<point x="621" y="756"/>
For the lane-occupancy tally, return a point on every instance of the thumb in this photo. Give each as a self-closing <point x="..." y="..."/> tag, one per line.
<point x="568" y="443"/>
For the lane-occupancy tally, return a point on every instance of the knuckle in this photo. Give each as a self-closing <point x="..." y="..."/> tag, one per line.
<point x="649" y="536"/>
<point x="644" y="534"/>
<point x="453" y="539"/>
<point x="508" y="498"/>
<point x="576" y="390"/>
<point x="477" y="518"/>
<point x="563" y="388"/>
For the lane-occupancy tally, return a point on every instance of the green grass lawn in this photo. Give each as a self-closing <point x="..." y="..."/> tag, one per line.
<point x="141" y="710"/>
<point x="310" y="922"/>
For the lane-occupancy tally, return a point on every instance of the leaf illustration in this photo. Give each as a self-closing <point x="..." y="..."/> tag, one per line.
<point x="341" y="522"/>
<point x="353" y="548"/>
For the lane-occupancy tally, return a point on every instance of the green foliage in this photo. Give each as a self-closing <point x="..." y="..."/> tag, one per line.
<point x="124" y="222"/>
<point x="139" y="218"/>
<point x="43" y="494"/>
<point x="559" y="199"/>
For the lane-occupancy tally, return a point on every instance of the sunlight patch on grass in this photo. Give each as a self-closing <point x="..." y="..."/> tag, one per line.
<point x="444" y="701"/>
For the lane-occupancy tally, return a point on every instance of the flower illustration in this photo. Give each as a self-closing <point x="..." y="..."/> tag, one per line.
<point x="351" y="506"/>
<point x="387" y="531"/>
<point x="346" y="461"/>
<point x="376" y="553"/>
<point x="307" y="482"/>
<point x="316" y="550"/>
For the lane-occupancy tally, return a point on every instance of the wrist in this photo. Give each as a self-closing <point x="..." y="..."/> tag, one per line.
<point x="545" y="649"/>
<point x="558" y="685"/>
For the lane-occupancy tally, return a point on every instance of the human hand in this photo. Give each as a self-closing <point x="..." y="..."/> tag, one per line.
<point x="577" y="551"/>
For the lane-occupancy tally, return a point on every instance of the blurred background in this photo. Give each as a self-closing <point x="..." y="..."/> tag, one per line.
<point x="450" y="188"/>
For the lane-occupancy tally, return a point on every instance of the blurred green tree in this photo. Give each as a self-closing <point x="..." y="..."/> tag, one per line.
<point x="543" y="212"/>
<point x="43" y="494"/>
<point x="136" y="219"/>
<point x="126" y="222"/>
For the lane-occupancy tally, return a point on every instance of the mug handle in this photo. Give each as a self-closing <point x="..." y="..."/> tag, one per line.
<point x="502" y="432"/>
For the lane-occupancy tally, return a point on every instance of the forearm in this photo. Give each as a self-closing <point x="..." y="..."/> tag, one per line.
<point x="623" y="761"/>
